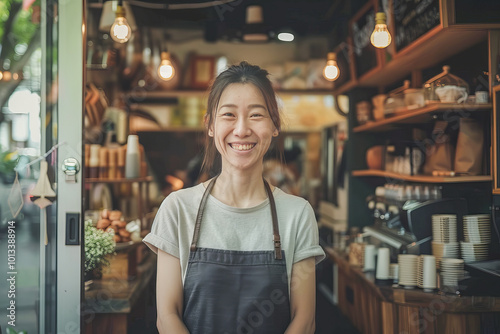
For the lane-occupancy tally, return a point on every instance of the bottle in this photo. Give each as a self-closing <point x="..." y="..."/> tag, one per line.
<point x="132" y="159"/>
<point x="120" y="161"/>
<point x="94" y="161"/>
<point x="121" y="128"/>
<point x="112" y="155"/>
<point x="103" y="163"/>
<point x="87" y="161"/>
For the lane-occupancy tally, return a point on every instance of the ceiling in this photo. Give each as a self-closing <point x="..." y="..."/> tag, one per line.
<point x="226" y="19"/>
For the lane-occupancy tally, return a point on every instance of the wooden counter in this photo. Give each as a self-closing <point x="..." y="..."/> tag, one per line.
<point x="113" y="303"/>
<point x="386" y="309"/>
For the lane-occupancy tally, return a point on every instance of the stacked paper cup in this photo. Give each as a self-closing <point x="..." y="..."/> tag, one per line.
<point x="408" y="266"/>
<point x="477" y="237"/>
<point x="383" y="262"/>
<point x="427" y="272"/>
<point x="370" y="254"/>
<point x="394" y="272"/>
<point x="444" y="237"/>
<point x="452" y="271"/>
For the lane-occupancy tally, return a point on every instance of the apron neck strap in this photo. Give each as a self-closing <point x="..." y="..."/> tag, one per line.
<point x="276" y="232"/>
<point x="276" y="229"/>
<point x="199" y="216"/>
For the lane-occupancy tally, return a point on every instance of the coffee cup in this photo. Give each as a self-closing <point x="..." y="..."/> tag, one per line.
<point x="482" y="97"/>
<point x="452" y="94"/>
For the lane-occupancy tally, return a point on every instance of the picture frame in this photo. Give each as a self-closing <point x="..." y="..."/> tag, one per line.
<point x="202" y="71"/>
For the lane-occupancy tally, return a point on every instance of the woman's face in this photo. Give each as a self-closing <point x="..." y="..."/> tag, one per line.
<point x="242" y="128"/>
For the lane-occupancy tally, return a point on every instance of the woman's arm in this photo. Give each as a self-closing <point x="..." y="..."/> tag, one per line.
<point x="169" y="295"/>
<point x="303" y="297"/>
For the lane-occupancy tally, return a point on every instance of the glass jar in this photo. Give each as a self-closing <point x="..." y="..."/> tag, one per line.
<point x="441" y="80"/>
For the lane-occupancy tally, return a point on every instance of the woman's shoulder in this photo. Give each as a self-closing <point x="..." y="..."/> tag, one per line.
<point x="183" y="196"/>
<point x="291" y="202"/>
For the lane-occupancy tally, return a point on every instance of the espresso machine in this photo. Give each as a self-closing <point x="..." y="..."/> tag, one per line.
<point x="406" y="227"/>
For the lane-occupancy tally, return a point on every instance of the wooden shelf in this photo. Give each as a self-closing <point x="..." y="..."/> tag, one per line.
<point x="421" y="178"/>
<point x="124" y="180"/>
<point x="432" y="48"/>
<point x="420" y="115"/>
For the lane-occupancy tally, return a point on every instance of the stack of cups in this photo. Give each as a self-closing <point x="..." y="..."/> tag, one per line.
<point x="394" y="272"/>
<point x="408" y="265"/>
<point x="133" y="158"/>
<point x="477" y="237"/>
<point x="369" y="258"/>
<point x="444" y="237"/>
<point x="452" y="271"/>
<point x="383" y="262"/>
<point x="427" y="272"/>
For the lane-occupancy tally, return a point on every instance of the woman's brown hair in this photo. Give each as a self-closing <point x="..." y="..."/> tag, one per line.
<point x="243" y="73"/>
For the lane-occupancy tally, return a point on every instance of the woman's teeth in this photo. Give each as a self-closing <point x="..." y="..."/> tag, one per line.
<point x="244" y="147"/>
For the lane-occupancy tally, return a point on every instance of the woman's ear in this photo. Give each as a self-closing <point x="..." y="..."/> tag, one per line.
<point x="205" y="121"/>
<point x="276" y="133"/>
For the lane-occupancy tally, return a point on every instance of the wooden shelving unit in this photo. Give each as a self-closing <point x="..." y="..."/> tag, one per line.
<point x="439" y="42"/>
<point x="421" y="115"/>
<point x="421" y="178"/>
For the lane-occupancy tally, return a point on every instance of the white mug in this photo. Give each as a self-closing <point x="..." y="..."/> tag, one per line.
<point x="452" y="94"/>
<point x="482" y="97"/>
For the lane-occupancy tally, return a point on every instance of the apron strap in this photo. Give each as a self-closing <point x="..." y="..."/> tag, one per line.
<point x="276" y="232"/>
<point x="199" y="216"/>
<point x="276" y="229"/>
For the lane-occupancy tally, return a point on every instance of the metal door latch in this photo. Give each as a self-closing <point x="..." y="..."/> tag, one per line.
<point x="71" y="167"/>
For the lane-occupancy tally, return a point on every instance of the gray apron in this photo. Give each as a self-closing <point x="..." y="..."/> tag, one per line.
<point x="233" y="292"/>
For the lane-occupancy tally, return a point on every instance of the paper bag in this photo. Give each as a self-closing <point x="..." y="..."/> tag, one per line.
<point x="469" y="150"/>
<point x="439" y="155"/>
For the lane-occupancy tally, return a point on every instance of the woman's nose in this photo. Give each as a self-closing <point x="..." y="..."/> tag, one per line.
<point x="242" y="127"/>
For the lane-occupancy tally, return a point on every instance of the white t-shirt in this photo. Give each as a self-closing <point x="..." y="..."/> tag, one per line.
<point x="230" y="228"/>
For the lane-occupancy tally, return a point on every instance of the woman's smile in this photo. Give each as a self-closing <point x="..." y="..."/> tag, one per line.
<point x="242" y="147"/>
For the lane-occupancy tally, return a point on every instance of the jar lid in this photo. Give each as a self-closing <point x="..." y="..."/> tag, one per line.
<point x="445" y="78"/>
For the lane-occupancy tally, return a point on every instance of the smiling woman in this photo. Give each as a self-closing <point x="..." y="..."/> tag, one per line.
<point x="242" y="129"/>
<point x="250" y="267"/>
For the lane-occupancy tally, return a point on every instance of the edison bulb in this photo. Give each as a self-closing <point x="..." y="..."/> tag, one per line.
<point x="331" y="71"/>
<point x="120" y="30"/>
<point x="166" y="70"/>
<point x="380" y="38"/>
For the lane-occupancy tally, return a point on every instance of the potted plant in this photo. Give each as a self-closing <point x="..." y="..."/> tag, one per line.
<point x="8" y="161"/>
<point x="98" y="244"/>
<point x="13" y="331"/>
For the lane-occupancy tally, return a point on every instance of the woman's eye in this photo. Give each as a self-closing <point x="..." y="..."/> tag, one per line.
<point x="256" y="115"/>
<point x="228" y="114"/>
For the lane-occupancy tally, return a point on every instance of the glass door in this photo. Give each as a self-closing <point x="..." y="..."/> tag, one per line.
<point x="41" y="76"/>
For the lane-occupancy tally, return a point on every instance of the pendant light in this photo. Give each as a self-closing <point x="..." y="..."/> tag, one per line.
<point x="254" y="29"/>
<point x="166" y="70"/>
<point x="113" y="13"/>
<point x="120" y="29"/>
<point x="380" y="38"/>
<point x="331" y="71"/>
